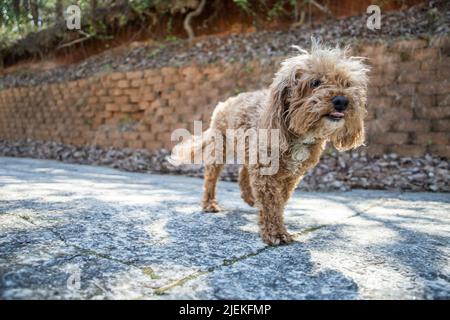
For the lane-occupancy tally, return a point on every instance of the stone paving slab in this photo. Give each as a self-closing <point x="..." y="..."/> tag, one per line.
<point x="83" y="232"/>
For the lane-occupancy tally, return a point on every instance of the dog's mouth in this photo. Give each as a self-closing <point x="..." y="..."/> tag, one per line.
<point x="336" y="116"/>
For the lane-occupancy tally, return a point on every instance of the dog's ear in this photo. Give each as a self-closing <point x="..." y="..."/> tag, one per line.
<point x="281" y="90"/>
<point x="273" y="115"/>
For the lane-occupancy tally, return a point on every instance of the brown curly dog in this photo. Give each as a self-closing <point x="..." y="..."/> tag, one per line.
<point x="315" y="97"/>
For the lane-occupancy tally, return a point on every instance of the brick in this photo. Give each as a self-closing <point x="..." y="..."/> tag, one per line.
<point x="92" y="100"/>
<point x="82" y="83"/>
<point x="117" y="76"/>
<point x="380" y="102"/>
<point x="394" y="113"/>
<point x="163" y="136"/>
<point x="131" y="92"/>
<point x="112" y="107"/>
<point x="408" y="150"/>
<point x="143" y="105"/>
<point x="116" y="92"/>
<point x="158" y="88"/>
<point x="168" y="72"/>
<point x="416" y="101"/>
<point x="440" y="150"/>
<point x="171" y="118"/>
<point x="431" y="138"/>
<point x="391" y="68"/>
<point x="137" y="144"/>
<point x="134" y="75"/>
<point x="159" y="127"/>
<point x="425" y="54"/>
<point x="374" y="150"/>
<point x="153" y="145"/>
<point x="163" y="111"/>
<point x="70" y="85"/>
<point x="141" y="126"/>
<point x="123" y="84"/>
<point x="127" y="107"/>
<point x="407" y="89"/>
<point x="148" y="96"/>
<point x="410" y="44"/>
<point x="147" y="136"/>
<point x="135" y="99"/>
<point x="416" y="76"/>
<point x="157" y="79"/>
<point x="130" y="136"/>
<point x="443" y="69"/>
<point x="121" y="99"/>
<point x="183" y="87"/>
<point x="151" y="73"/>
<point x="433" y="113"/>
<point x="391" y="138"/>
<point x="429" y="65"/>
<point x="443" y="100"/>
<point x="413" y="126"/>
<point x="373" y="92"/>
<point x="378" y="126"/>
<point x="190" y="72"/>
<point x="136" y="83"/>
<point x="101" y="92"/>
<point x="441" y="125"/>
<point x="118" y="143"/>
<point x="442" y="87"/>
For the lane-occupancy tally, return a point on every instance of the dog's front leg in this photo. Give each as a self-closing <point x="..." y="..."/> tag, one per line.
<point x="270" y="200"/>
<point x="273" y="231"/>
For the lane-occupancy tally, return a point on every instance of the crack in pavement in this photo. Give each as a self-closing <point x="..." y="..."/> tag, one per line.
<point x="84" y="251"/>
<point x="229" y="262"/>
<point x="181" y="281"/>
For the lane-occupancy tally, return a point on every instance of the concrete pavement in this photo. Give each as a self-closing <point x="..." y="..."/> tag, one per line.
<point x="83" y="232"/>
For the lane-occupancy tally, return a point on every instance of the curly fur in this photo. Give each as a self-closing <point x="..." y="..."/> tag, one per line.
<point x="300" y="112"/>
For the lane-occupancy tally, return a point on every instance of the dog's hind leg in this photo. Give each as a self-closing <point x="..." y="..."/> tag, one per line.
<point x="246" y="189"/>
<point x="212" y="173"/>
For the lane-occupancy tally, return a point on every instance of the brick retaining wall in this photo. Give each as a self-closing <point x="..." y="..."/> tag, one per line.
<point x="409" y="101"/>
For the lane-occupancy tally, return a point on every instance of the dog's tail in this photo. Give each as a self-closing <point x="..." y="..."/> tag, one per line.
<point x="192" y="150"/>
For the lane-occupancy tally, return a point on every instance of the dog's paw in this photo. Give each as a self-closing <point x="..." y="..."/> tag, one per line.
<point x="211" y="207"/>
<point x="249" y="200"/>
<point x="277" y="239"/>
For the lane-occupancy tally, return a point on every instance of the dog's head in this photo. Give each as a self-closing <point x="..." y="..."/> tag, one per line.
<point x="321" y="93"/>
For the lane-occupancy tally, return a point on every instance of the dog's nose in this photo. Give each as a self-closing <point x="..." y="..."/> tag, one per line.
<point x="340" y="103"/>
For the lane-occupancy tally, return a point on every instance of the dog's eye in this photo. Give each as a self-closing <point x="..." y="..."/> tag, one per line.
<point x="315" y="83"/>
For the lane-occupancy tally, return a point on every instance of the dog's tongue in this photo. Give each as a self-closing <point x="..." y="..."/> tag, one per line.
<point x="337" y="114"/>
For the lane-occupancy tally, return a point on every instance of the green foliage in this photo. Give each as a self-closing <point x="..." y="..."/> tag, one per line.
<point x="106" y="68"/>
<point x="248" y="69"/>
<point x="172" y="38"/>
<point x="243" y="4"/>
<point x="276" y="10"/>
<point x="156" y="51"/>
<point x="100" y="21"/>
<point x="141" y="5"/>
